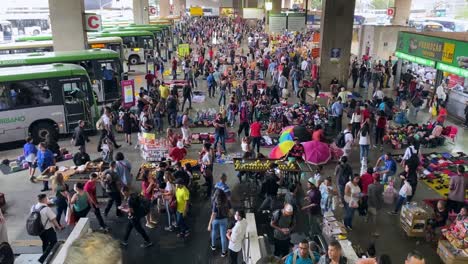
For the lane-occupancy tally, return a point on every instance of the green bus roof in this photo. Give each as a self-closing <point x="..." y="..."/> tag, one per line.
<point x="40" y="72"/>
<point x="113" y="33"/>
<point x="107" y="33"/>
<point x="135" y="29"/>
<point x="56" y="57"/>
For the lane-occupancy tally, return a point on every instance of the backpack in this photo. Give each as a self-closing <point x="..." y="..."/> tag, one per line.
<point x="413" y="161"/>
<point x="277" y="216"/>
<point x="100" y="124"/>
<point x="34" y="224"/>
<point x="340" y="140"/>
<point x="145" y="205"/>
<point x="346" y="173"/>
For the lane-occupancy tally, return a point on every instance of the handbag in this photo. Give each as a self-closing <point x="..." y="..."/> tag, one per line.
<point x="70" y="216"/>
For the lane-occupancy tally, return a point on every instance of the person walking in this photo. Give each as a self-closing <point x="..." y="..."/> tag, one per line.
<point x="337" y="113"/>
<point x="243" y="119"/>
<point x="283" y="223"/>
<point x="343" y="174"/>
<point x="380" y="129"/>
<point x="135" y="211"/>
<point x="45" y="158"/>
<point x="220" y="131"/>
<point x="112" y="185"/>
<point x="375" y="203"/>
<point x="403" y="194"/>
<point x="30" y="152"/>
<point x="123" y="169"/>
<point x="182" y="198"/>
<point x="364" y="142"/>
<point x="90" y="189"/>
<point x="313" y="209"/>
<point x="256" y="134"/>
<point x="236" y="236"/>
<point x="81" y="202"/>
<point x="352" y="196"/>
<point x="219" y="220"/>
<point x="168" y="194"/>
<point x="187" y="95"/>
<point x="49" y="223"/>
<point x="105" y="125"/>
<point x="61" y="195"/>
<point x="211" y="85"/>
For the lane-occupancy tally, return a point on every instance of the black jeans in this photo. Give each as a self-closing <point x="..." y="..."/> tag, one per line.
<point x="189" y="98"/>
<point x="135" y="222"/>
<point x="61" y="208"/>
<point x="379" y="133"/>
<point x="113" y="196"/>
<point x="243" y="126"/>
<point x="281" y="247"/>
<point x="338" y="123"/>
<point x="256" y="141"/>
<point x="49" y="239"/>
<point x="233" y="256"/>
<point x="98" y="215"/>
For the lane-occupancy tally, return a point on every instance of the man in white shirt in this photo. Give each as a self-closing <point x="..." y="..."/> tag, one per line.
<point x="283" y="82"/>
<point x="107" y="131"/>
<point x="236" y="236"/>
<point x="49" y="221"/>
<point x="348" y="140"/>
<point x="441" y="95"/>
<point x="379" y="95"/>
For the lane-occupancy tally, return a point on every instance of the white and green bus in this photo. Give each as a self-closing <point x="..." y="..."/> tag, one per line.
<point x="103" y="66"/>
<point x="138" y="44"/>
<point x="43" y="100"/>
<point x="112" y="43"/>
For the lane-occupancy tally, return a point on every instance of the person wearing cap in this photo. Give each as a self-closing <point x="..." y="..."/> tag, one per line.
<point x="179" y="152"/>
<point x="182" y="198"/>
<point x="313" y="209"/>
<point x="283" y="222"/>
<point x="374" y="202"/>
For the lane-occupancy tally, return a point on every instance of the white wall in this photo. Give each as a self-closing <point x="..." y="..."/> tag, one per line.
<point x="209" y="3"/>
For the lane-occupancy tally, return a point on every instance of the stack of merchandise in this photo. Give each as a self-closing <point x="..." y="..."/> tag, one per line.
<point x="439" y="167"/>
<point x="428" y="135"/>
<point x="413" y="220"/>
<point x="152" y="149"/>
<point x="204" y="117"/>
<point x="333" y="229"/>
<point x="454" y="249"/>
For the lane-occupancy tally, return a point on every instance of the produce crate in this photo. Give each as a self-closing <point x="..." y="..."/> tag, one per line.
<point x="450" y="255"/>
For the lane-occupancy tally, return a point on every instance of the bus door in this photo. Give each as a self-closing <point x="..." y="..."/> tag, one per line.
<point x="109" y="72"/>
<point x="76" y="102"/>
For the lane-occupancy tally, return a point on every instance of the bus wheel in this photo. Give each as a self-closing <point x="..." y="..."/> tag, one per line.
<point x="134" y="60"/>
<point x="42" y="130"/>
<point x="36" y="32"/>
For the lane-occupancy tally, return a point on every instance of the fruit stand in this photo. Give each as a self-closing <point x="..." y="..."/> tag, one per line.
<point x="73" y="173"/>
<point x="288" y="169"/>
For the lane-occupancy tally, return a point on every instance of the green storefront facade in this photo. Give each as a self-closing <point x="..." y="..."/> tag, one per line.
<point x="444" y="51"/>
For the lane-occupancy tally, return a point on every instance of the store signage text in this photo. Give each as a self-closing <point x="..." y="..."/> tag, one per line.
<point x="455" y="70"/>
<point x="415" y="59"/>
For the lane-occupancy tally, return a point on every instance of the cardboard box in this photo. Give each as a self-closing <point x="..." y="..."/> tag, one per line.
<point x="447" y="255"/>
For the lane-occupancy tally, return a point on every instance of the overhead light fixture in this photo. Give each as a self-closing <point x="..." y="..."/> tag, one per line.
<point x="269" y="6"/>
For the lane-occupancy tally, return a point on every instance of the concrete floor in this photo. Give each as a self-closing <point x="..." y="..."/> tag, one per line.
<point x="21" y="194"/>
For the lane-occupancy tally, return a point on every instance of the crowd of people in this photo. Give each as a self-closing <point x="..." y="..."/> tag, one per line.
<point x="236" y="60"/>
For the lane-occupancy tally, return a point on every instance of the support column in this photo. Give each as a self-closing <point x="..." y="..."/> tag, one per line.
<point x="402" y="12"/>
<point x="140" y="12"/>
<point x="287" y="4"/>
<point x="164" y="8"/>
<point x="336" y="33"/>
<point x="68" y="25"/>
<point x="276" y="6"/>
<point x="179" y="7"/>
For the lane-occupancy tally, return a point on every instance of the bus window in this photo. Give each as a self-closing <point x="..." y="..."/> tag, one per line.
<point x="27" y="93"/>
<point x="4" y="98"/>
<point x="129" y="42"/>
<point x="88" y="65"/>
<point x="72" y="93"/>
<point x="146" y="42"/>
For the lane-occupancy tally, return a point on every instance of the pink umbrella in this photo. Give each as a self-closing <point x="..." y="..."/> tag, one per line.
<point x="316" y="152"/>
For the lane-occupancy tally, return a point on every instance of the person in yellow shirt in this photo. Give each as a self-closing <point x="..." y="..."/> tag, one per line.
<point x="182" y="197"/>
<point x="163" y="91"/>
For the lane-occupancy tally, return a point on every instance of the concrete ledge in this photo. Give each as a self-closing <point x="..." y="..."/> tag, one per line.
<point x="251" y="249"/>
<point x="81" y="228"/>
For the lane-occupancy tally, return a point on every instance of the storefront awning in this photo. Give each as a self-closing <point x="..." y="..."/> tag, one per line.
<point x="415" y="59"/>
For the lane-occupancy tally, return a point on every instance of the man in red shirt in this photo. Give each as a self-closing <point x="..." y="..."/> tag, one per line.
<point x="174" y="69"/>
<point x="149" y="77"/>
<point x="365" y="113"/>
<point x="256" y="134"/>
<point x="90" y="188"/>
<point x="366" y="180"/>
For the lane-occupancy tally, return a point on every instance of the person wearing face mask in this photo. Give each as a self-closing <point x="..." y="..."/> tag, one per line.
<point x="236" y="236"/>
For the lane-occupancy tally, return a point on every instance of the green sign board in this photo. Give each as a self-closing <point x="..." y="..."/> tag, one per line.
<point x="415" y="59"/>
<point x="455" y="70"/>
<point x="448" y="51"/>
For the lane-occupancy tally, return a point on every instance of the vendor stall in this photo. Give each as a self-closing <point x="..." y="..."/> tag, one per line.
<point x="152" y="149"/>
<point x="453" y="245"/>
<point x="413" y="220"/>
<point x="73" y="173"/>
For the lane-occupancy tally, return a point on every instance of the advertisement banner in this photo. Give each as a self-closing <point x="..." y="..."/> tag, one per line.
<point x="128" y="93"/>
<point x="226" y="12"/>
<point x="183" y="50"/>
<point x="277" y="23"/>
<point x="448" y="51"/>
<point x="196" y="11"/>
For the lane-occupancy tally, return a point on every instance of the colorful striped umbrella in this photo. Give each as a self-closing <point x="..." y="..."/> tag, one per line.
<point x="281" y="150"/>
